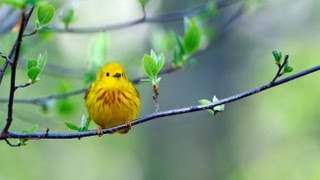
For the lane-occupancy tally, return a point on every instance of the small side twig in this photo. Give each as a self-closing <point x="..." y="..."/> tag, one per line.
<point x="280" y="69"/>
<point x="12" y="145"/>
<point x="23" y="85"/>
<point x="155" y="98"/>
<point x="33" y="32"/>
<point x="6" y="58"/>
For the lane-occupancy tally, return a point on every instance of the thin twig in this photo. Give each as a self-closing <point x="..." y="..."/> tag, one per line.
<point x="280" y="68"/>
<point x="42" y="100"/>
<point x="165" y="17"/>
<point x="33" y="32"/>
<point x="13" y="49"/>
<point x="23" y="85"/>
<point x="24" y="21"/>
<point x="73" y="135"/>
<point x="6" y="58"/>
<point x="155" y="98"/>
<point x="12" y="145"/>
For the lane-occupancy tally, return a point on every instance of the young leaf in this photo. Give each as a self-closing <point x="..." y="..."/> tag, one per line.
<point x="143" y="2"/>
<point x="31" y="63"/>
<point x="150" y="66"/>
<point x="192" y="37"/>
<point x="277" y="56"/>
<point x="288" y="69"/>
<point x="160" y="63"/>
<point x="72" y="126"/>
<point x="42" y="59"/>
<point x="16" y="3"/>
<point x="218" y="108"/>
<point x="33" y="73"/>
<point x="211" y="8"/>
<point x="45" y="14"/>
<point x="99" y="49"/>
<point x="180" y="43"/>
<point x="206" y="102"/>
<point x="85" y="122"/>
<point x="67" y="15"/>
<point x="32" y="129"/>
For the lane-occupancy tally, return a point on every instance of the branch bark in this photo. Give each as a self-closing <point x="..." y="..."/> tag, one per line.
<point x="153" y="116"/>
<point x="165" y="17"/>
<point x="16" y="49"/>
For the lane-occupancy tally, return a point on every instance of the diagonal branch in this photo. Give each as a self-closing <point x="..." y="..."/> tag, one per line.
<point x="18" y="40"/>
<point x="165" y="17"/>
<point x="41" y="100"/>
<point x="74" y="135"/>
<point x="24" y="21"/>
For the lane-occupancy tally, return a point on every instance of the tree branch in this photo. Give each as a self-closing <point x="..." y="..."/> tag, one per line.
<point x="18" y="40"/>
<point x="41" y="100"/>
<point x="24" y="21"/>
<point x="165" y="17"/>
<point x="74" y="135"/>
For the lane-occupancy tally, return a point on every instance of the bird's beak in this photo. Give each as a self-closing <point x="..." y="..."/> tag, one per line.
<point x="117" y="75"/>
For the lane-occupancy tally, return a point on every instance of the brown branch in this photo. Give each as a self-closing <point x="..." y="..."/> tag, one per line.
<point x="14" y="48"/>
<point x="165" y="17"/>
<point x="41" y="100"/>
<point x="74" y="135"/>
<point x="24" y="21"/>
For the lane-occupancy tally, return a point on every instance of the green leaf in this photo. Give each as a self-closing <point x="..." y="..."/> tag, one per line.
<point x="161" y="60"/>
<point x="150" y="66"/>
<point x="33" y="73"/>
<point x="85" y="122"/>
<point x="211" y="8"/>
<point x="218" y="108"/>
<point x="180" y="43"/>
<point x="143" y="2"/>
<point x="42" y="59"/>
<point x="288" y="69"/>
<point x="32" y="129"/>
<point x="67" y="15"/>
<point x="192" y="37"/>
<point x="90" y="75"/>
<point x="206" y="102"/>
<point x="99" y="49"/>
<point x="156" y="81"/>
<point x="72" y="126"/>
<point x="65" y="107"/>
<point x="17" y="3"/>
<point x="45" y="14"/>
<point x="277" y="56"/>
<point x="31" y="63"/>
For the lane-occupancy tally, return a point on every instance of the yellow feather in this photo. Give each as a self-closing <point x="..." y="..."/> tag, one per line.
<point x="112" y="99"/>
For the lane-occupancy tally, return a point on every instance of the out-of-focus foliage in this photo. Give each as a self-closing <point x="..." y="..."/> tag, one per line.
<point x="272" y="135"/>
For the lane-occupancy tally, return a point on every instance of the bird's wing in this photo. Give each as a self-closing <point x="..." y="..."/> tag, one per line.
<point x="87" y="92"/>
<point x="137" y="92"/>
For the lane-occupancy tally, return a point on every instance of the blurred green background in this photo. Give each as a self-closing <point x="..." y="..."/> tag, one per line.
<point x="271" y="135"/>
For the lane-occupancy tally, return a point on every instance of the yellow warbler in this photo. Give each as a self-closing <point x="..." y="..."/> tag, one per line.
<point x="112" y="99"/>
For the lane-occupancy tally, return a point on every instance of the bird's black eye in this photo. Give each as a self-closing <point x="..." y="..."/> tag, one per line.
<point x="107" y="74"/>
<point x="122" y="74"/>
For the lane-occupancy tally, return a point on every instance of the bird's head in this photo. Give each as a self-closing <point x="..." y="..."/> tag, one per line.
<point x="111" y="73"/>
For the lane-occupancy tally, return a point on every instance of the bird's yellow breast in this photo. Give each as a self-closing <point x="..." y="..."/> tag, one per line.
<point x="109" y="107"/>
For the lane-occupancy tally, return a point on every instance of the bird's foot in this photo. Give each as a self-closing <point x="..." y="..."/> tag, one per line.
<point x="99" y="131"/>
<point x="128" y="125"/>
